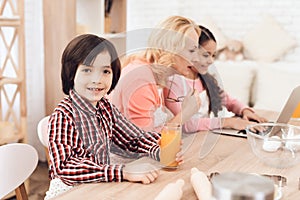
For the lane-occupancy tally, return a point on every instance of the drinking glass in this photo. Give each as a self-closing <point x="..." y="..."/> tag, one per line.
<point x="170" y="144"/>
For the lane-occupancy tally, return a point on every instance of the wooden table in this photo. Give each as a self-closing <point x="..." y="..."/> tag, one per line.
<point x="229" y="154"/>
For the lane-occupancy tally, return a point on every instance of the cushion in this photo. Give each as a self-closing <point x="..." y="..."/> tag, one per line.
<point x="237" y="78"/>
<point x="209" y="23"/>
<point x="267" y="41"/>
<point x="274" y="84"/>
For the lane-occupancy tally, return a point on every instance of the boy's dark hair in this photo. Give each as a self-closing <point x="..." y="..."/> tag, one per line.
<point x="84" y="49"/>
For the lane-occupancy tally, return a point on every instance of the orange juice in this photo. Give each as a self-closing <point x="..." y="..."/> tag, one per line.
<point x="170" y="145"/>
<point x="296" y="113"/>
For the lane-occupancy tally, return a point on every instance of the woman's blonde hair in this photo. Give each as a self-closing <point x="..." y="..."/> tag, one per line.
<point x="166" y="40"/>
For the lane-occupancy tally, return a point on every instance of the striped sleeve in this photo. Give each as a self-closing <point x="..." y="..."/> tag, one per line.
<point x="131" y="138"/>
<point x="70" y="161"/>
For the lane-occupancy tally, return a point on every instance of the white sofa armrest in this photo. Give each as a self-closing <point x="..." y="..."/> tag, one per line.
<point x="237" y="78"/>
<point x="274" y="83"/>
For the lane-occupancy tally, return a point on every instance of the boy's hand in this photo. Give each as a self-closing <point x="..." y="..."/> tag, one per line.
<point x="144" y="173"/>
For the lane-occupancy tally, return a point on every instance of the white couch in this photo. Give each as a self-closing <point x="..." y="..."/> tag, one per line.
<point x="260" y="85"/>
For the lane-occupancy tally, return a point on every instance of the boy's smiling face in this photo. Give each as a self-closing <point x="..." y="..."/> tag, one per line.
<point x="93" y="82"/>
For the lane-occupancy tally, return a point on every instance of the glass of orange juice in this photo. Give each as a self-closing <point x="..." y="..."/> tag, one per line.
<point x="170" y="144"/>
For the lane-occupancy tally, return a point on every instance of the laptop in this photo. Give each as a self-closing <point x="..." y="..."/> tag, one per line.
<point x="283" y="117"/>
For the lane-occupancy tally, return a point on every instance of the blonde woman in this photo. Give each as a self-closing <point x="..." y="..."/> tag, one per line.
<point x="172" y="49"/>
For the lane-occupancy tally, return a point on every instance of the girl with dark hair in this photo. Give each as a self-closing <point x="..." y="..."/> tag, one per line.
<point x="214" y="100"/>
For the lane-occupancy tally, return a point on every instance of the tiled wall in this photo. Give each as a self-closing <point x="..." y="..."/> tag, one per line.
<point x="233" y="17"/>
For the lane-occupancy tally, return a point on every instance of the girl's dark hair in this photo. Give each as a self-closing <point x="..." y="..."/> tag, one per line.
<point x="205" y="35"/>
<point x="84" y="49"/>
<point x="209" y="82"/>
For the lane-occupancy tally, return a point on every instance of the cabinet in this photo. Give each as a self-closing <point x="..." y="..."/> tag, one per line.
<point x="56" y="37"/>
<point x="13" y="112"/>
<point x="76" y="17"/>
<point x="106" y="18"/>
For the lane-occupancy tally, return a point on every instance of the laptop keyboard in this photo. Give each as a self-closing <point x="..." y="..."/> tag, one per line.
<point x="241" y="133"/>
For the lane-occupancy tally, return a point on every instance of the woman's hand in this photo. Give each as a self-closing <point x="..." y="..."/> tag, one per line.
<point x="190" y="105"/>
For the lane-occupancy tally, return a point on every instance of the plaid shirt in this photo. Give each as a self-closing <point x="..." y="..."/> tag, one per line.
<point x="81" y="138"/>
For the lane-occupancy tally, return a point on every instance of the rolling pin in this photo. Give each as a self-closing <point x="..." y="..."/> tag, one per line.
<point x="171" y="191"/>
<point x="201" y="184"/>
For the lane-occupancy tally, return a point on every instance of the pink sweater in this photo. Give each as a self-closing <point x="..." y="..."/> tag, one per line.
<point x="200" y="121"/>
<point x="136" y="95"/>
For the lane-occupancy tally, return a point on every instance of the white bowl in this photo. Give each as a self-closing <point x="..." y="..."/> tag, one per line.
<point x="275" y="144"/>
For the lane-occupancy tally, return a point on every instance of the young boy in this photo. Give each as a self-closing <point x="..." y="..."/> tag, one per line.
<point x="84" y="125"/>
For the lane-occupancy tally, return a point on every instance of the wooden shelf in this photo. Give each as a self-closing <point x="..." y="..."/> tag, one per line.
<point x="76" y="17"/>
<point x="116" y="20"/>
<point x="12" y="21"/>
<point x="13" y="113"/>
<point x="7" y="80"/>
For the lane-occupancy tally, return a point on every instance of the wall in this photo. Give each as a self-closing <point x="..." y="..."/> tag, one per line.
<point x="34" y="71"/>
<point x="234" y="17"/>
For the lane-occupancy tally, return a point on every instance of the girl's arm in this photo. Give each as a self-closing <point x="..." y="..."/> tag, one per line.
<point x="234" y="105"/>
